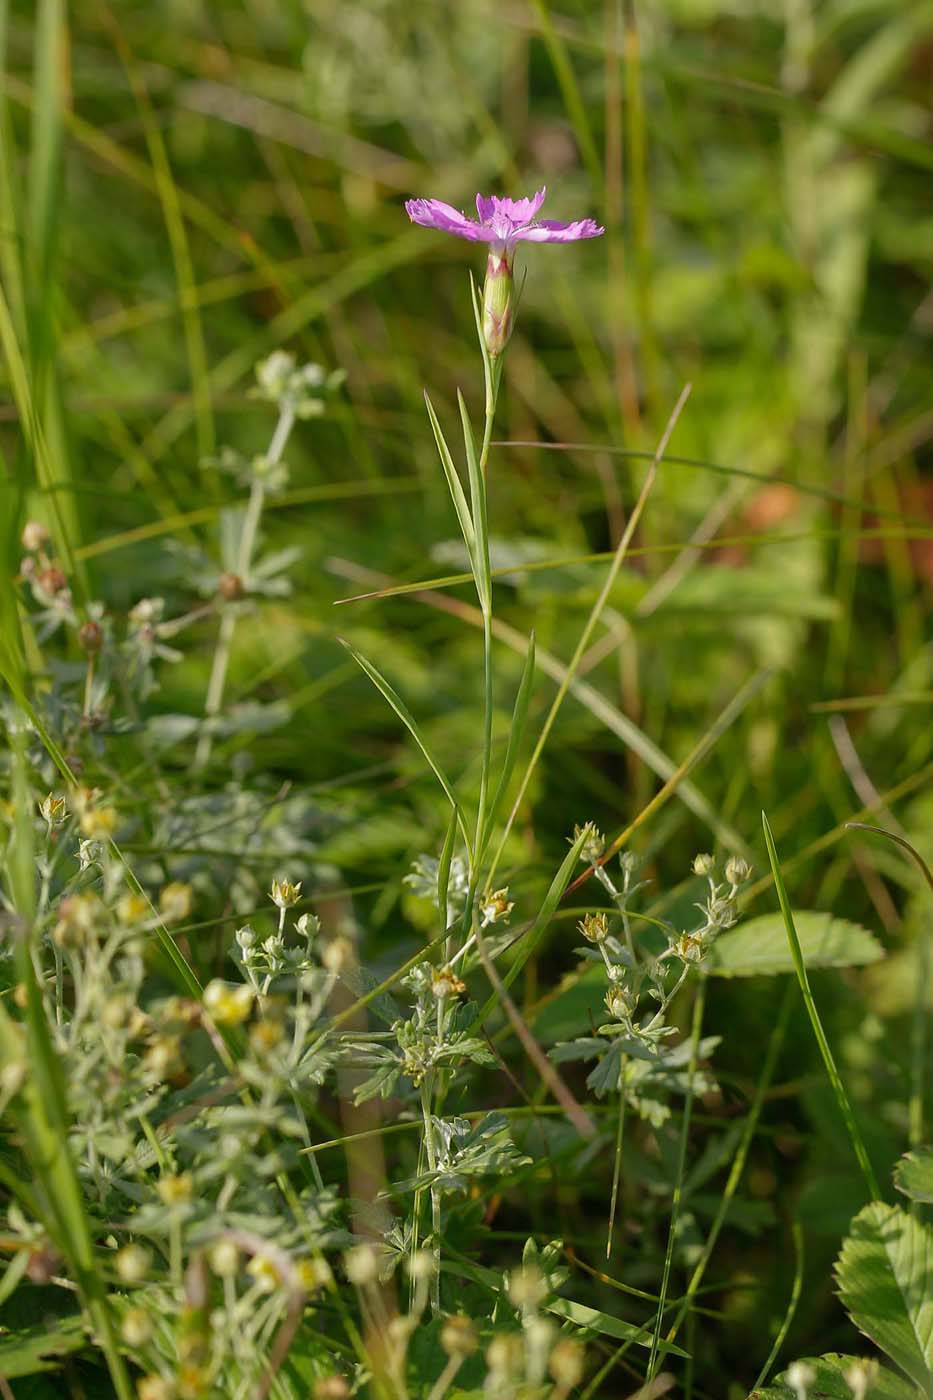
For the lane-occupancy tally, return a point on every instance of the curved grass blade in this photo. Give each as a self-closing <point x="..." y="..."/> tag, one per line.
<point x="842" y="1098"/>
<point x="478" y="502"/>
<point x="443" y="870"/>
<point x="454" y="486"/>
<point x="411" y="724"/>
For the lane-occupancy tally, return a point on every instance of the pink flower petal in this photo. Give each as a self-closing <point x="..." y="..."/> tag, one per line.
<point x="434" y="213"/>
<point x="550" y="231"/>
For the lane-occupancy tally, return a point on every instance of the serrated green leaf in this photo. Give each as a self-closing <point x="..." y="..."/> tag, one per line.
<point x="914" y="1174"/>
<point x="759" y="947"/>
<point x="830" y="1383"/>
<point x="885" y="1278"/>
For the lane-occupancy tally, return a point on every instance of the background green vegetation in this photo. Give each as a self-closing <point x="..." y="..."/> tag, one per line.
<point x="187" y="186"/>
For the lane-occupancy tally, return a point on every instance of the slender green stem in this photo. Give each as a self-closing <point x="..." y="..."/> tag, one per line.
<point x="427" y="1089"/>
<point x="699" y="1007"/>
<point x="247" y="544"/>
<point x="792" y="1302"/>
<point x="617" y="1163"/>
<point x="738" y="1161"/>
<point x="835" y="1079"/>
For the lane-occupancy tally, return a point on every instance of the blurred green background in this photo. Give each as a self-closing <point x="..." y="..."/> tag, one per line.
<point x="188" y="186"/>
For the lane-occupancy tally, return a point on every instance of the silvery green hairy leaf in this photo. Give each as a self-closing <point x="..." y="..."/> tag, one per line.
<point x="885" y="1278"/>
<point x="914" y="1175"/>
<point x="830" y="1383"/>
<point x="759" y="947"/>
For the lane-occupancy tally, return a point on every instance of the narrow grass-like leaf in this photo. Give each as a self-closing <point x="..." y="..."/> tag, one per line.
<point x="885" y="1278"/>
<point x="443" y="869"/>
<point x="478" y="504"/>
<point x="842" y="1098"/>
<point x="454" y="486"/>
<point x="414" y="729"/>
<point x="516" y="733"/>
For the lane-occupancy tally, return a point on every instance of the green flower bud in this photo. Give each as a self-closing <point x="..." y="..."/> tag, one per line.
<point x="498" y="300"/>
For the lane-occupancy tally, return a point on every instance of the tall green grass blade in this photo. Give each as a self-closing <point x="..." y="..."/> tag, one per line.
<point x="11" y="232"/>
<point x="454" y="486"/>
<point x="414" y="729"/>
<point x="842" y="1099"/>
<point x="443" y="869"/>
<point x="791" y="1310"/>
<point x="181" y="252"/>
<point x="516" y="734"/>
<point x="696" y="1028"/>
<point x="478" y="509"/>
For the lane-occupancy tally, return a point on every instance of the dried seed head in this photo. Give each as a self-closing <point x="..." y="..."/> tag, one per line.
<point x="737" y="871"/>
<point x="175" y="1190"/>
<point x="446" y="983"/>
<point x="90" y="637"/>
<point x="593" y="845"/>
<point x="132" y="1263"/>
<point x="800" y="1375"/>
<point x="458" y="1336"/>
<point x="496" y="906"/>
<point x="421" y="1265"/>
<point x="314" y="1274"/>
<point x="53" y="810"/>
<point x="337" y="954"/>
<point x="566" y="1363"/>
<point x="264" y="1273"/>
<point x="43" y="1263"/>
<point x="52" y="580"/>
<point x="361" y="1265"/>
<point x="224" y="1259"/>
<point x="175" y="901"/>
<point x="98" y="823"/>
<point x="229" y="1006"/>
<point x="594" y="927"/>
<point x="861" y="1376"/>
<point x="284" y="893"/>
<point x="136" y="1327"/>
<point x="230" y="587"/>
<point x="34" y="535"/>
<point x="132" y="908"/>
<point x="331" y="1388"/>
<point x="527" y="1287"/>
<point x="504" y="1355"/>
<point x="155" y="1388"/>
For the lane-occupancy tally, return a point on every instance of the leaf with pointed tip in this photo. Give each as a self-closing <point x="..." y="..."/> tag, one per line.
<point x="411" y="724"/>
<point x="516" y="732"/>
<point x="478" y="504"/>
<point x="885" y="1278"/>
<point x="454" y="486"/>
<point x="914" y="1175"/>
